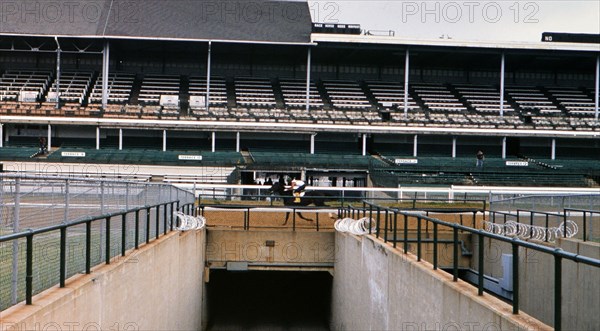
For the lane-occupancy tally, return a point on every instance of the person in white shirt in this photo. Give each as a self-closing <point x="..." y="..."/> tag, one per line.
<point x="298" y="187"/>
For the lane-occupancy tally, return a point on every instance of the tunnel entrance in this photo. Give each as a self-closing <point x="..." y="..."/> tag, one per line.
<point x="268" y="300"/>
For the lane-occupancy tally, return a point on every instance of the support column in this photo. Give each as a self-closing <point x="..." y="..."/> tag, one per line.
<point x="105" y="70"/>
<point x="364" y="144"/>
<point x="120" y="139"/>
<point x="213" y="142"/>
<point x="49" y="140"/>
<point x="597" y="106"/>
<point x="502" y="68"/>
<point x="553" y="151"/>
<point x="503" y="147"/>
<point x="164" y="140"/>
<point x="97" y="137"/>
<point x="406" y="82"/>
<point x="237" y="142"/>
<point x="208" y="65"/>
<point x="1" y="135"/>
<point x="454" y="147"/>
<point x="58" y="51"/>
<point x="415" y="146"/>
<point x="308" y="69"/>
<point x="312" y="143"/>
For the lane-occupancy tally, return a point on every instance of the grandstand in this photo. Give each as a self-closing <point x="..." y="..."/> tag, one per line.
<point x="272" y="95"/>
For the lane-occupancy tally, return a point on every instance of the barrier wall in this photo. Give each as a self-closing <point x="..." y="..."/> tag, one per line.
<point x="158" y="287"/>
<point x="376" y="287"/>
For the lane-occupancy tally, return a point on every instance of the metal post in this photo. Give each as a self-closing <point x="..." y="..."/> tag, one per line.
<point x="58" y="51"/>
<point x="67" y="202"/>
<point x="164" y="141"/>
<point x="502" y="68"/>
<point x="415" y="145"/>
<point x="120" y="139"/>
<point x="1" y="135"/>
<point x="557" y="292"/>
<point x="107" y="248"/>
<point x="97" y="137"/>
<point x="553" y="151"/>
<point x="105" y="69"/>
<point x="213" y="143"/>
<point x="597" y="92"/>
<point x="364" y="144"/>
<point x="15" y="261"/>
<point x="208" y="64"/>
<point x="308" y="69"/>
<point x="237" y="142"/>
<point x="312" y="143"/>
<point x="88" y="247"/>
<point x="406" y="82"/>
<point x="63" y="256"/>
<point x="49" y="140"/>
<point x="504" y="147"/>
<point x="481" y="263"/>
<point x="515" y="277"/>
<point x="454" y="147"/>
<point x="102" y="202"/>
<point x="29" y="270"/>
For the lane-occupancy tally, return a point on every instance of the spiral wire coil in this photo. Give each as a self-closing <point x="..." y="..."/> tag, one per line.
<point x="188" y="222"/>
<point x="356" y="227"/>
<point x="526" y="231"/>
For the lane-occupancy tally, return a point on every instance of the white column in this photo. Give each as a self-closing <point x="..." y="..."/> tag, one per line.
<point x="312" y="143"/>
<point x="213" y="142"/>
<point x="97" y="137"/>
<point x="504" y="147"/>
<point x="597" y="86"/>
<point x="454" y="147"/>
<point x="105" y="67"/>
<point x="120" y="139"/>
<point x="208" y="65"/>
<point x="1" y="135"/>
<point x="502" y="67"/>
<point x="164" y="140"/>
<point x="49" y="141"/>
<point x="415" y="146"/>
<point x="553" y="151"/>
<point x="406" y="78"/>
<point x="237" y="142"/>
<point x="364" y="144"/>
<point x="57" y="76"/>
<point x="308" y="69"/>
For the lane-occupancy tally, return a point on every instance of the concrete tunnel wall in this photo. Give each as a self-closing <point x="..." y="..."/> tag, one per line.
<point x="158" y="287"/>
<point x="376" y="287"/>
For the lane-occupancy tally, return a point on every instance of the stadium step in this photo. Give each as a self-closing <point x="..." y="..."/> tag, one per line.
<point x="278" y="93"/>
<point x="184" y="94"/>
<point x="248" y="159"/>
<point x="323" y="92"/>
<point x="231" y="99"/>
<point x="370" y="97"/>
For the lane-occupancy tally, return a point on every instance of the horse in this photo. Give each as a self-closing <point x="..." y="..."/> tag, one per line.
<point x="310" y="198"/>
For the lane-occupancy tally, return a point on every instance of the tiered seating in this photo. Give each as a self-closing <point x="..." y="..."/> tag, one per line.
<point x="254" y="92"/>
<point x="391" y="92"/>
<point x="13" y="82"/>
<point x="346" y="94"/>
<point x="528" y="97"/>
<point x="218" y="91"/>
<point x="153" y="86"/>
<point x="438" y="98"/>
<point x="294" y="93"/>
<point x="119" y="88"/>
<point x="73" y="87"/>
<point x="484" y="99"/>
<point x="575" y="101"/>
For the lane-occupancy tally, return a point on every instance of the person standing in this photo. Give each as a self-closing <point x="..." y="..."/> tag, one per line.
<point x="480" y="158"/>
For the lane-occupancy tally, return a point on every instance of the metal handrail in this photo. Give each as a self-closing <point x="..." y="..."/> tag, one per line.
<point x="515" y="243"/>
<point x="29" y="235"/>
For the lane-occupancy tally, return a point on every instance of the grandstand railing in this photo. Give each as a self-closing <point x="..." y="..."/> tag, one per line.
<point x="389" y="233"/>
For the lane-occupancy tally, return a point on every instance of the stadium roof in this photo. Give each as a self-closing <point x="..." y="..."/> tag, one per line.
<point x="262" y="21"/>
<point x="385" y="40"/>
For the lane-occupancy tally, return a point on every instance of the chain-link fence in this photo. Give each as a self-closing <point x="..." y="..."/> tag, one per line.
<point x="550" y="211"/>
<point x="30" y="203"/>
